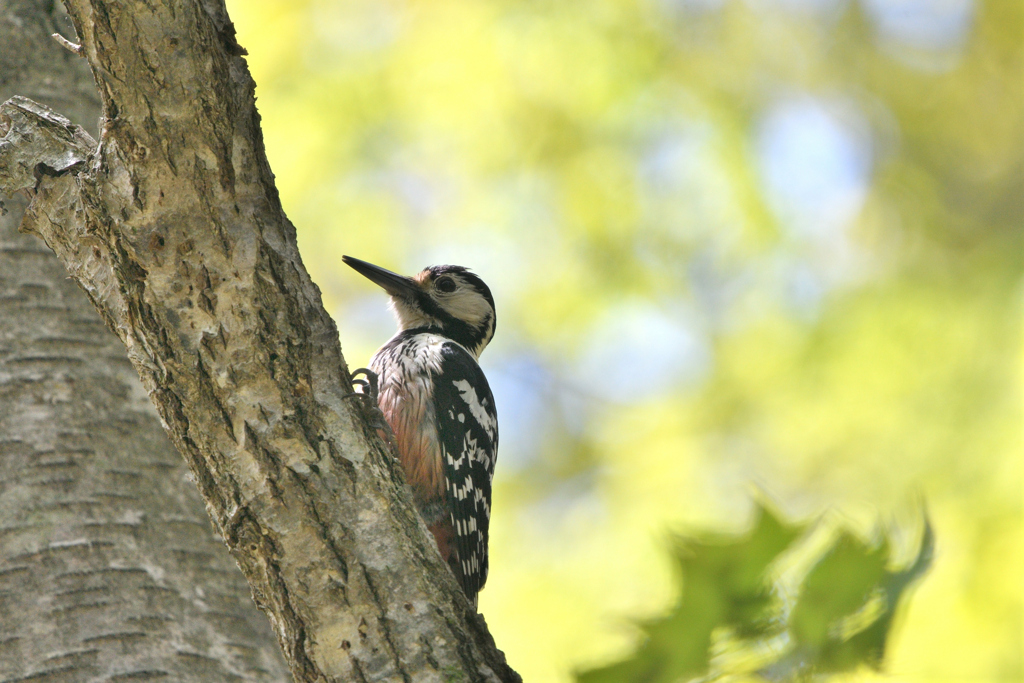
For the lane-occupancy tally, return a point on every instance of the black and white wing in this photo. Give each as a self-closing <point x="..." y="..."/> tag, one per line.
<point x="467" y="426"/>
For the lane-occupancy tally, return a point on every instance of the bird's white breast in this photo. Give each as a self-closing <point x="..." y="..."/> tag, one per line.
<point x="406" y="372"/>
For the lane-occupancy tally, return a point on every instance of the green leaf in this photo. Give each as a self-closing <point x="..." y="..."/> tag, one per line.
<point x="724" y="584"/>
<point x="842" y="617"/>
<point x="868" y="645"/>
<point x="734" y="569"/>
<point x="837" y="586"/>
<point x="845" y="611"/>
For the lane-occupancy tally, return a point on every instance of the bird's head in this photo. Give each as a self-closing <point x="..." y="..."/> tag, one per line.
<point x="451" y="300"/>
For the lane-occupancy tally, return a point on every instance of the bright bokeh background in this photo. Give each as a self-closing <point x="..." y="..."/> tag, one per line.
<point x="771" y="244"/>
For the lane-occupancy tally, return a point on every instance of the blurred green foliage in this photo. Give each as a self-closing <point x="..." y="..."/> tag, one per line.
<point x="724" y="585"/>
<point x="839" y="620"/>
<point x="732" y="242"/>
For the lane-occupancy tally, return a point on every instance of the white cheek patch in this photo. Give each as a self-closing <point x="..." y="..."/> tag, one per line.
<point x="466" y="305"/>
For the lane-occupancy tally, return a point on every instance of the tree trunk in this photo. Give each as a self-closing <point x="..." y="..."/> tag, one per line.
<point x="173" y="227"/>
<point x="109" y="566"/>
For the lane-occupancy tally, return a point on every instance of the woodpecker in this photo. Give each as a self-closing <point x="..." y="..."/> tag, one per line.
<point x="437" y="401"/>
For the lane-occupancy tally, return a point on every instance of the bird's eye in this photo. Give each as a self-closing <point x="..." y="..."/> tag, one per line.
<point x="445" y="284"/>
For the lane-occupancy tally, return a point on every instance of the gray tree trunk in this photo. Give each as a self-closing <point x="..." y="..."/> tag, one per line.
<point x="109" y="567"/>
<point x="173" y="227"/>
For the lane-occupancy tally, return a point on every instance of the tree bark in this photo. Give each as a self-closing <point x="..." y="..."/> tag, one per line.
<point x="109" y="567"/>
<point x="108" y="563"/>
<point x="172" y="226"/>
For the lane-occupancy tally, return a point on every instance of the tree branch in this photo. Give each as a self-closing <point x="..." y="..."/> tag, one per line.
<point x="173" y="227"/>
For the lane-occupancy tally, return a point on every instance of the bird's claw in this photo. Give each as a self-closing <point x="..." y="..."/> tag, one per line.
<point x="369" y="390"/>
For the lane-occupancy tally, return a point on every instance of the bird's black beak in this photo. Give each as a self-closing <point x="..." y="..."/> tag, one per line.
<point x="393" y="283"/>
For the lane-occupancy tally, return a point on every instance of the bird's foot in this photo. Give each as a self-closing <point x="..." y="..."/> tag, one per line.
<point x="369" y="390"/>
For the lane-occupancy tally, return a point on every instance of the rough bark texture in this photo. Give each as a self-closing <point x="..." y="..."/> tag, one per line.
<point x="109" y="567"/>
<point x="173" y="227"/>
